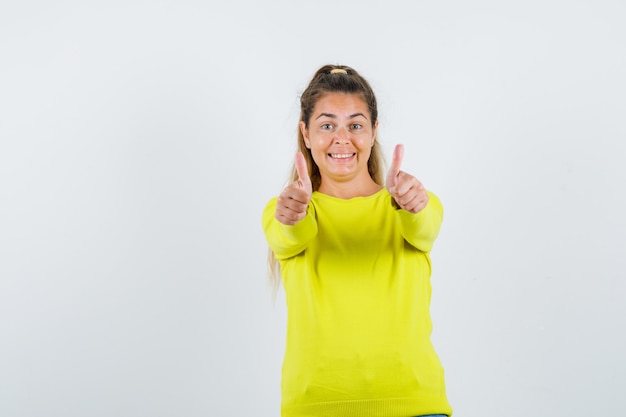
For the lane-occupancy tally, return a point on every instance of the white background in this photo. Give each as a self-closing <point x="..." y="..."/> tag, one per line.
<point x="140" y="141"/>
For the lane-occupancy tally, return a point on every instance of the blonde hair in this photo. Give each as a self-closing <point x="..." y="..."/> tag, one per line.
<point x="331" y="79"/>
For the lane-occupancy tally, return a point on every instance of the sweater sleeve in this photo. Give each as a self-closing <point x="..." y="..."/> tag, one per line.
<point x="421" y="229"/>
<point x="288" y="241"/>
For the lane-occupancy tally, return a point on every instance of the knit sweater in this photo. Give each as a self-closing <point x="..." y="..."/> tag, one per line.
<point x="356" y="275"/>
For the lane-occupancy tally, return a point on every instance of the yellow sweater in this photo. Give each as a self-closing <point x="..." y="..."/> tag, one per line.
<point x="356" y="275"/>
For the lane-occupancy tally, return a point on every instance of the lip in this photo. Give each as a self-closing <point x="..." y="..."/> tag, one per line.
<point x="342" y="156"/>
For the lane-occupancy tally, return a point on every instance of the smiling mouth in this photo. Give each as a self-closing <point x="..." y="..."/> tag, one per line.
<point x="341" y="155"/>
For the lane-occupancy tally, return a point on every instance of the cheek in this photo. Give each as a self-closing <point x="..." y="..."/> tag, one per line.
<point x="318" y="148"/>
<point x="364" y="142"/>
<point x="320" y="142"/>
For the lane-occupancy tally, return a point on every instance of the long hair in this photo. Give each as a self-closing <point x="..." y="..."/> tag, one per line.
<point x="331" y="79"/>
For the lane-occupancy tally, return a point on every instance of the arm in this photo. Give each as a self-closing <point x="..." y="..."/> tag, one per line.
<point x="421" y="229"/>
<point x="289" y="220"/>
<point x="288" y="240"/>
<point x="420" y="211"/>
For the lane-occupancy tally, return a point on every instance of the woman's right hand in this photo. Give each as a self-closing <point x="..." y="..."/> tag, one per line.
<point x="293" y="202"/>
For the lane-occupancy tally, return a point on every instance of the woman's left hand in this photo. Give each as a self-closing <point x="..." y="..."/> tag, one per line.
<point x="405" y="189"/>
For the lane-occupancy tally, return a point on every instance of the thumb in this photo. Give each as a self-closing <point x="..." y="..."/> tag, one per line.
<point x="394" y="170"/>
<point x="304" y="181"/>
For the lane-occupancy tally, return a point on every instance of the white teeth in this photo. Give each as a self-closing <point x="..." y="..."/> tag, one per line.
<point x="341" y="155"/>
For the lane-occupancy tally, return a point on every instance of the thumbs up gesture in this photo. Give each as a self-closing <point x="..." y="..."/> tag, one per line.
<point x="405" y="189"/>
<point x="294" y="200"/>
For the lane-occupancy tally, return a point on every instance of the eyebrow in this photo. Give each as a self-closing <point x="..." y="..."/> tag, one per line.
<point x="332" y="116"/>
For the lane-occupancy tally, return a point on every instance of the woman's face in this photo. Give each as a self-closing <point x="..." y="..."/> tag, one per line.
<point x="340" y="136"/>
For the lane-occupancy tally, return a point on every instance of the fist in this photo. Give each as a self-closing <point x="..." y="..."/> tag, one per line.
<point x="293" y="202"/>
<point x="405" y="189"/>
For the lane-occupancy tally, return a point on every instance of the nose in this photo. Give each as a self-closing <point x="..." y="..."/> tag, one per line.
<point x="341" y="135"/>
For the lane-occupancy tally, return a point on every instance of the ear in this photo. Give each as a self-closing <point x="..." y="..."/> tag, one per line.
<point x="305" y="134"/>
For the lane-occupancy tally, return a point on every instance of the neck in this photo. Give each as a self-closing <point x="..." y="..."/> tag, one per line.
<point x="349" y="189"/>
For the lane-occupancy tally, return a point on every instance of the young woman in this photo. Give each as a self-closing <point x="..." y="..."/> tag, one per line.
<point x="352" y="248"/>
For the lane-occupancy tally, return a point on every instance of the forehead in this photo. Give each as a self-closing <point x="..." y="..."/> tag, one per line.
<point x="341" y="104"/>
